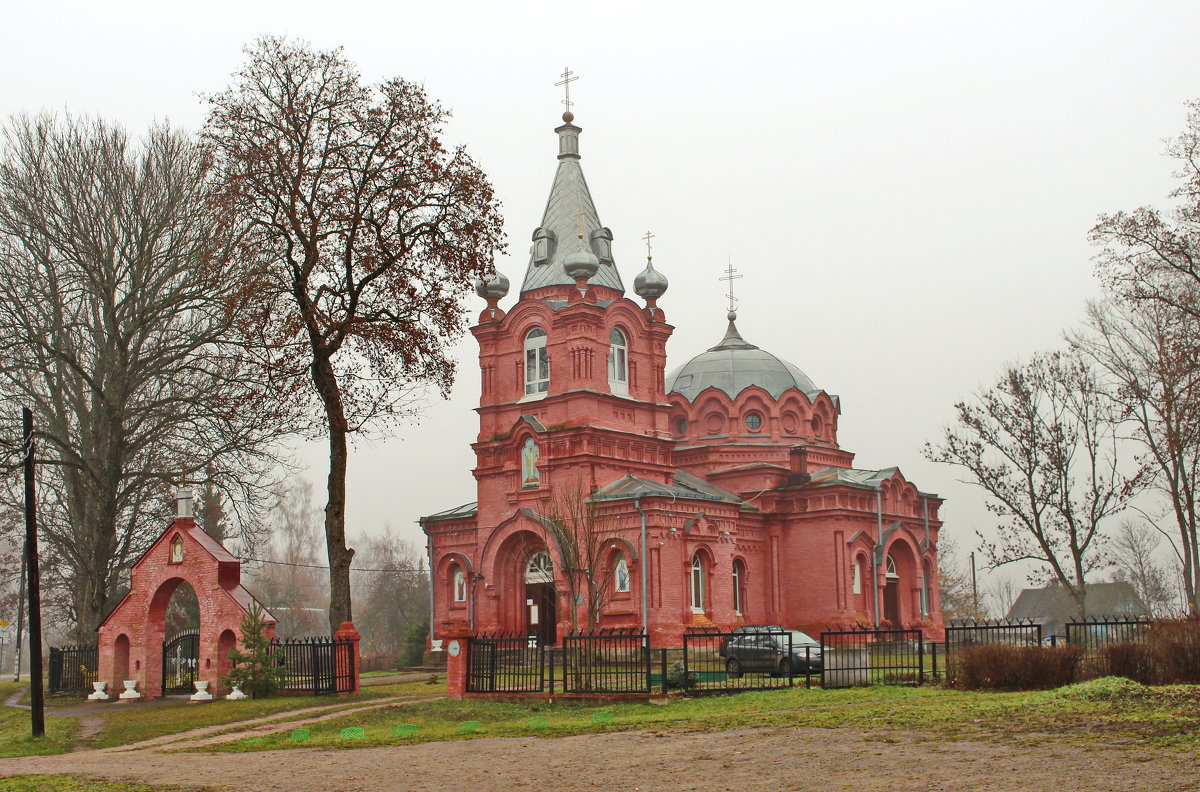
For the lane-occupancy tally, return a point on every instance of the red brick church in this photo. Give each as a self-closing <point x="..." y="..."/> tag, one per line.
<point x="613" y="494"/>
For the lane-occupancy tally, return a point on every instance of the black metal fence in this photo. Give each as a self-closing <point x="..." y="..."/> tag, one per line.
<point x="72" y="669"/>
<point x="732" y="661"/>
<point x="505" y="664"/>
<point x="872" y="657"/>
<point x="317" y="666"/>
<point x="1096" y="635"/>
<point x="1020" y="632"/>
<point x="606" y="663"/>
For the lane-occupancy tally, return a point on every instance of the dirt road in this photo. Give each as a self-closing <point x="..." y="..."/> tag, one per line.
<point x="742" y="760"/>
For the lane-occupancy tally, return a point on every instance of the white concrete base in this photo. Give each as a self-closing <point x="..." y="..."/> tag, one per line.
<point x="130" y="690"/>
<point x="435" y="645"/>
<point x="201" y="693"/>
<point x="99" y="693"/>
<point x="236" y="694"/>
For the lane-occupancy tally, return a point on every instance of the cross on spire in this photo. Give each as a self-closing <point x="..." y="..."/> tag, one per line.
<point x="731" y="277"/>
<point x="568" y="77"/>
<point x="649" y="250"/>
<point x="579" y="217"/>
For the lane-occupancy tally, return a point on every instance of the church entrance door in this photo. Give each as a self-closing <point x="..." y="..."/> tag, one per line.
<point x="891" y="601"/>
<point x="541" y="600"/>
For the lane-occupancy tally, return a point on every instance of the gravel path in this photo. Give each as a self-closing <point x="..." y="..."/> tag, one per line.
<point x="740" y="760"/>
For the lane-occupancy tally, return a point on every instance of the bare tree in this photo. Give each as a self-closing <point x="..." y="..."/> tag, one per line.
<point x="954" y="583"/>
<point x="1149" y="350"/>
<point x="366" y="233"/>
<point x="1001" y="593"/>
<point x="287" y="578"/>
<point x="1133" y="548"/>
<point x="1153" y="256"/>
<point x="586" y="540"/>
<point x="391" y="594"/>
<point x="1042" y="443"/>
<point x="117" y="297"/>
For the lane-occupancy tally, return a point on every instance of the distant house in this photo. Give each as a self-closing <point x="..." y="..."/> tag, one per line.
<point x="1052" y="607"/>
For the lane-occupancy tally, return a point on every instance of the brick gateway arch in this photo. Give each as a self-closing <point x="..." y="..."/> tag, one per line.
<point x="132" y="635"/>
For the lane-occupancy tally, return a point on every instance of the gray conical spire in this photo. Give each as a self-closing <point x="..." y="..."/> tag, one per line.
<point x="558" y="235"/>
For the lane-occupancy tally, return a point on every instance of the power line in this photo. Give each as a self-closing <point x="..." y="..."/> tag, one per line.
<point x="326" y="566"/>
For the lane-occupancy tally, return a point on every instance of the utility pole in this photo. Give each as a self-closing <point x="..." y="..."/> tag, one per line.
<point x="36" y="710"/>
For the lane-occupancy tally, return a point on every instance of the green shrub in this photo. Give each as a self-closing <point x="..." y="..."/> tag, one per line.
<point x="412" y="650"/>
<point x="1005" y="667"/>
<point x="254" y="669"/>
<point x="678" y="678"/>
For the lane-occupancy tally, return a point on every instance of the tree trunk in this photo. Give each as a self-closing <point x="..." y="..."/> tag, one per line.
<point x="340" y="556"/>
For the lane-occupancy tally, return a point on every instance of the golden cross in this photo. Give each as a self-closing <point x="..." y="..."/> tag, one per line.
<point x="565" y="82"/>
<point x="729" y="276"/>
<point x="579" y="214"/>
<point x="649" y="250"/>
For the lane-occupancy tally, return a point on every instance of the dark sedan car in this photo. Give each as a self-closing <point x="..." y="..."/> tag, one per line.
<point x="768" y="653"/>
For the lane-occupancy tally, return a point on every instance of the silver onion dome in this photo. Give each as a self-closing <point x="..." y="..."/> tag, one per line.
<point x="650" y="284"/>
<point x="492" y="287"/>
<point x="581" y="263"/>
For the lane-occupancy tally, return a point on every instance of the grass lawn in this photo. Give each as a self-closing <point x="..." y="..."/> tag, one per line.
<point x="131" y="723"/>
<point x="15" y="739"/>
<point x="128" y="723"/>
<point x="1108" y="709"/>
<point x="62" y="783"/>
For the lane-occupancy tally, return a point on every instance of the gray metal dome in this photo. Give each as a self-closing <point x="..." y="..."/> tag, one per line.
<point x="734" y="365"/>
<point x="650" y="283"/>
<point x="494" y="286"/>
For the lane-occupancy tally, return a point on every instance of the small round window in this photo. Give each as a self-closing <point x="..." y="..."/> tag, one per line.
<point x="753" y="422"/>
<point x="681" y="426"/>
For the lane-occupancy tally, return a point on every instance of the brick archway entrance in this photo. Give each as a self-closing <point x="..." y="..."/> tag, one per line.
<point x="132" y="636"/>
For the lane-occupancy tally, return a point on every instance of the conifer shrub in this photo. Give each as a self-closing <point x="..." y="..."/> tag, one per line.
<point x="254" y="668"/>
<point x="1006" y="667"/>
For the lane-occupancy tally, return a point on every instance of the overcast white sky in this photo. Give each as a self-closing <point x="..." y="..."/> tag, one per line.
<point x="906" y="187"/>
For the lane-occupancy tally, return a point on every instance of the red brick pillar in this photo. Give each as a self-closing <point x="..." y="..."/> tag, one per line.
<point x="456" y="635"/>
<point x="347" y="633"/>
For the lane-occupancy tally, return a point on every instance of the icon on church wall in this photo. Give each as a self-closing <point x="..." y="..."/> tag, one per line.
<point x="529" y="459"/>
<point x="177" y="550"/>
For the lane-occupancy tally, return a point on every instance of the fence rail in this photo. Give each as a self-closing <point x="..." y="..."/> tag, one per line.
<point x="318" y="666"/>
<point x="505" y="664"/>
<point x="872" y="657"/>
<point x="1021" y="632"/>
<point x="606" y="663"/>
<point x="72" y="669"/>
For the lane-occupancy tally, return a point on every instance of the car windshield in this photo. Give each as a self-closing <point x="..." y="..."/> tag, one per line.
<point x="802" y="639"/>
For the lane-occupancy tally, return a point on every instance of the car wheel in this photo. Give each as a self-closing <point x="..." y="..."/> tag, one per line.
<point x="733" y="669"/>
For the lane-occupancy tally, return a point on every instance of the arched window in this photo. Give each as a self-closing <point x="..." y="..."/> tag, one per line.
<point x="739" y="581"/>
<point x="537" y="363"/>
<point x="540" y="568"/>
<point x="858" y="576"/>
<point x="618" y="362"/>
<point x="697" y="587"/>
<point x="620" y="574"/>
<point x="892" y="574"/>
<point x="460" y="585"/>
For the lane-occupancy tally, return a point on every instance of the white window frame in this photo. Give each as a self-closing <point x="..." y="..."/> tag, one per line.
<point x="539" y="568"/>
<point x="536" y="363"/>
<point x="696" y="589"/>
<point x="618" y="361"/>
<point x="738" y="570"/>
<point x="857" y="576"/>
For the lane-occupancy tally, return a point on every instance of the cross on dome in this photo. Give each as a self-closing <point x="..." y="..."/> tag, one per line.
<point x="649" y="250"/>
<point x="729" y="276"/>
<point x="568" y="77"/>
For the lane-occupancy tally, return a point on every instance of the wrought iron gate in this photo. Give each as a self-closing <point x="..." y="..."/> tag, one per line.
<point x="180" y="663"/>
